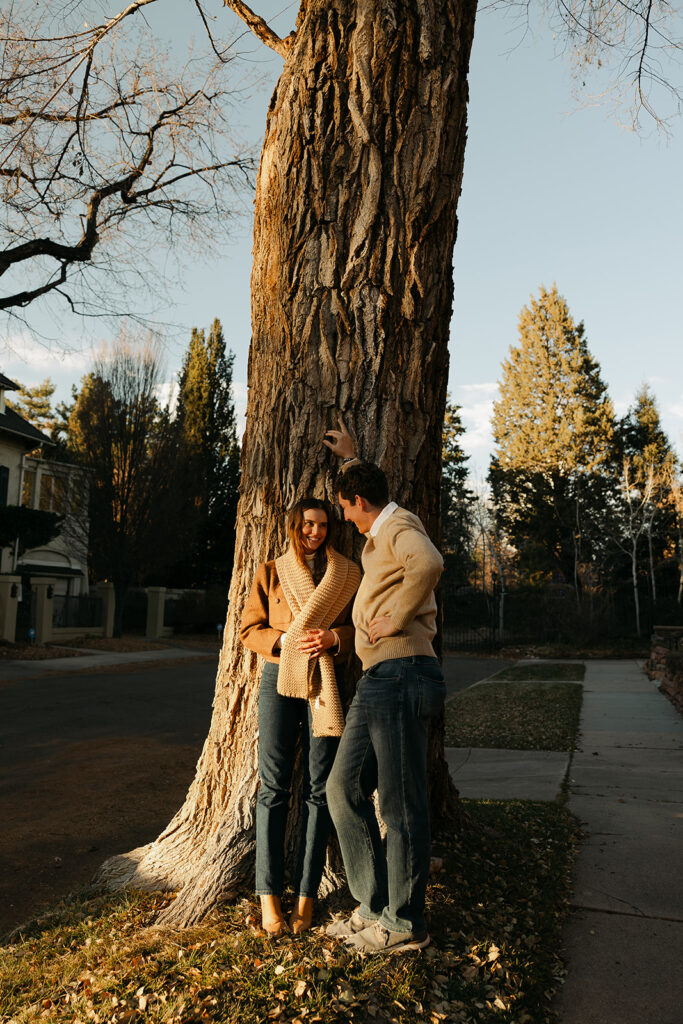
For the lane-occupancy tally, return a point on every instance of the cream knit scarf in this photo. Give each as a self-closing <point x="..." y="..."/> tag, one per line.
<point x="314" y="608"/>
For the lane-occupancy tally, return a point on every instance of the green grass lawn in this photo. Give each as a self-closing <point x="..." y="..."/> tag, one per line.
<point x="495" y="915"/>
<point x="518" y="713"/>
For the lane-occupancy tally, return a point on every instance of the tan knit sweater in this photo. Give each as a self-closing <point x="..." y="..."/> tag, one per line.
<point x="401" y="567"/>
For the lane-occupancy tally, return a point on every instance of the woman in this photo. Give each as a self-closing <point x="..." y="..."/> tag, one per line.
<point x="298" y="617"/>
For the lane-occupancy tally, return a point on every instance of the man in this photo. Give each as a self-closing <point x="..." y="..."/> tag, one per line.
<point x="384" y="744"/>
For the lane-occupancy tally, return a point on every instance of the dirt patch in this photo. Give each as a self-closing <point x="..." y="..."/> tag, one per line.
<point x="130" y="667"/>
<point x="29" y="652"/>
<point x="66" y="812"/>
<point x="116" y="643"/>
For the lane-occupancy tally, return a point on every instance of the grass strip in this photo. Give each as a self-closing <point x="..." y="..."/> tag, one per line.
<point x="515" y="716"/>
<point x="562" y="671"/>
<point x="495" y="914"/>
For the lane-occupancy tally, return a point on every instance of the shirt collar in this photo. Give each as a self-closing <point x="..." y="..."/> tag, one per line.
<point x="382" y="518"/>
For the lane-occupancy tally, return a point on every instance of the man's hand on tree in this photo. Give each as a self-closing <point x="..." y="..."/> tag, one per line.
<point x="341" y="443"/>
<point x="381" y="626"/>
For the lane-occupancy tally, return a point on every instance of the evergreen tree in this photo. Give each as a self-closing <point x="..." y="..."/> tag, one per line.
<point x="208" y="433"/>
<point x="553" y="427"/>
<point x="456" y="498"/>
<point x="640" y="434"/>
<point x="119" y="431"/>
<point x="35" y="405"/>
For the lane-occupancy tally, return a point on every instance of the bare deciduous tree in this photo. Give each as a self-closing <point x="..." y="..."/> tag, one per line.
<point x="106" y="151"/>
<point x="675" y="485"/>
<point x="635" y="520"/>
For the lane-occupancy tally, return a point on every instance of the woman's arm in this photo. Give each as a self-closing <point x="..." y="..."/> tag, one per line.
<point x="255" y="631"/>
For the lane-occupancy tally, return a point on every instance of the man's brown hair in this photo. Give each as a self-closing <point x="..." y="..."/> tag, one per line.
<point x="366" y="480"/>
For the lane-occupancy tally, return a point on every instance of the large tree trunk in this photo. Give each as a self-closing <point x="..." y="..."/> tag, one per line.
<point x="355" y="222"/>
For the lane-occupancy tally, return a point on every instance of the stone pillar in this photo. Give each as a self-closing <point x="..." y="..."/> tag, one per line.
<point x="156" y="599"/>
<point x="9" y="598"/>
<point x="44" y="591"/>
<point x="106" y="592"/>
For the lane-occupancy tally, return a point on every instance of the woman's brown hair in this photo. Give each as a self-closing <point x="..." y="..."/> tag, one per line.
<point x="295" y="519"/>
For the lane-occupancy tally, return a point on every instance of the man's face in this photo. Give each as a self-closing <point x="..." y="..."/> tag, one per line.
<point x="355" y="513"/>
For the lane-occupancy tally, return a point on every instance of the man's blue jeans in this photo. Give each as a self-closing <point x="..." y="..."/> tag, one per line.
<point x="384" y="747"/>
<point x="281" y="721"/>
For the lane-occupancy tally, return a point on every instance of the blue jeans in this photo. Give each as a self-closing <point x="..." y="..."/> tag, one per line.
<point x="281" y="720"/>
<point x="384" y="747"/>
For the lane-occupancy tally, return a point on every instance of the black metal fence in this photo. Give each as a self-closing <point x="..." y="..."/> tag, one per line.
<point x="196" y="611"/>
<point x="26" y="616"/>
<point x="470" y="619"/>
<point x="551" y="614"/>
<point x="81" y="612"/>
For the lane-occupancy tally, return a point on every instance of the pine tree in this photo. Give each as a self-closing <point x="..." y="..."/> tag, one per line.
<point x="553" y="427"/>
<point x="208" y="432"/>
<point x="640" y="433"/>
<point x="35" y="405"/>
<point x="456" y="498"/>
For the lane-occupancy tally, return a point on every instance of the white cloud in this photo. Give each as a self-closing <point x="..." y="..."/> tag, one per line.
<point x="28" y="361"/>
<point x="490" y="387"/>
<point x="239" y="397"/>
<point x="677" y="409"/>
<point x="476" y="407"/>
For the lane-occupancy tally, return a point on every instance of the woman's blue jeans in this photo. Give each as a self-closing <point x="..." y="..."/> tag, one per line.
<point x="281" y="721"/>
<point x="384" y="747"/>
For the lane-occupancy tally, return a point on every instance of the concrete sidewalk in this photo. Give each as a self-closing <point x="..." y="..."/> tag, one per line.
<point x="624" y="937"/>
<point x="493" y="774"/>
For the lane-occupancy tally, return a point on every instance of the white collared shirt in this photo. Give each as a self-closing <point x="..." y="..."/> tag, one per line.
<point x="382" y="518"/>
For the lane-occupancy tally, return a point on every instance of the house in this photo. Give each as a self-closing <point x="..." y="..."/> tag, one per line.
<point x="29" y="479"/>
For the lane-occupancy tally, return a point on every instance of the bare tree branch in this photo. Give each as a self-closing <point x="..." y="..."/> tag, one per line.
<point x="260" y="28"/>
<point x="99" y="136"/>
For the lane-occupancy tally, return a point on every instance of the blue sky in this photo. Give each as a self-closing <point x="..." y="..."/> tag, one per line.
<point x="553" y="191"/>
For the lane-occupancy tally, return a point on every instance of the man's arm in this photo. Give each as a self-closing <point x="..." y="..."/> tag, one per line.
<point x="423" y="566"/>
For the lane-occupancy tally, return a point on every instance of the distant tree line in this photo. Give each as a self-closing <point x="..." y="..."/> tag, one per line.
<point x="579" y="498"/>
<point x="163" y="473"/>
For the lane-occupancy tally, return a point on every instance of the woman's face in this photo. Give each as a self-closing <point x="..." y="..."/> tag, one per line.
<point x="313" y="529"/>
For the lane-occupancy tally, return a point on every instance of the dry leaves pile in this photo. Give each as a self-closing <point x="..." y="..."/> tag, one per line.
<point x="495" y="913"/>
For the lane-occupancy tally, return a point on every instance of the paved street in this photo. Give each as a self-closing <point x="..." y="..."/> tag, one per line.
<point x="91" y="765"/>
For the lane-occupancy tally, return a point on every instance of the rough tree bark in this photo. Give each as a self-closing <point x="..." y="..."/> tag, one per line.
<point x="355" y="222"/>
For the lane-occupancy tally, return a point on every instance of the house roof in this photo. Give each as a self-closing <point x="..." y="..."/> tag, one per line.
<point x="12" y="423"/>
<point x="47" y="569"/>
<point x="8" y="384"/>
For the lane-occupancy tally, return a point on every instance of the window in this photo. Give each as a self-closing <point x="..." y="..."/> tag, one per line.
<point x="46" y="489"/>
<point x="28" y="488"/>
<point x="53" y="490"/>
<point x="4" y="484"/>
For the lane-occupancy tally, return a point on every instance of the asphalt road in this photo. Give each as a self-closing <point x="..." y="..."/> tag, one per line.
<point x="93" y="764"/>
